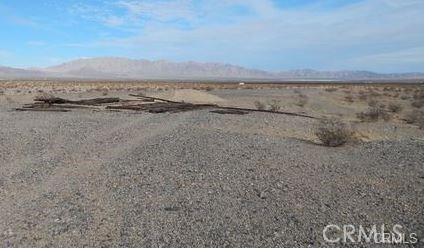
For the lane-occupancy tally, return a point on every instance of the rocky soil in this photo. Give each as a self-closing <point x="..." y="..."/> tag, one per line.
<point x="194" y="179"/>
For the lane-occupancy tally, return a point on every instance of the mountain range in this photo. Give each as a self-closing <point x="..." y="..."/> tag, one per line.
<point x="123" y="68"/>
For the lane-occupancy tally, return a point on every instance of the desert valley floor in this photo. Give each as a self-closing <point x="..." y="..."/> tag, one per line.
<point x="108" y="178"/>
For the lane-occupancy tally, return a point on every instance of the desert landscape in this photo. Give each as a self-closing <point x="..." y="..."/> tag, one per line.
<point x="206" y="164"/>
<point x="212" y="123"/>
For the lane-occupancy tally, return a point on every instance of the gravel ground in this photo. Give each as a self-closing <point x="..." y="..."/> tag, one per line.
<point x="194" y="179"/>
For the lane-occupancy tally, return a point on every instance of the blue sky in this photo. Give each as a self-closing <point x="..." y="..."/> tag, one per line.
<point x="377" y="35"/>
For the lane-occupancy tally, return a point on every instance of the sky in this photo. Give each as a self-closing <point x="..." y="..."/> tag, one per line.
<point x="273" y="35"/>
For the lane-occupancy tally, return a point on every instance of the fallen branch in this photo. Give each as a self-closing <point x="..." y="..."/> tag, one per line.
<point x="152" y="98"/>
<point x="227" y="108"/>
<point x="43" y="109"/>
<point x="268" y="111"/>
<point x="94" y="101"/>
<point x="162" y="107"/>
<point x="57" y="104"/>
<point x="40" y="105"/>
<point x="229" y="112"/>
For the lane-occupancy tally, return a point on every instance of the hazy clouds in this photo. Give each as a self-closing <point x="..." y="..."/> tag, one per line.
<point x="371" y="34"/>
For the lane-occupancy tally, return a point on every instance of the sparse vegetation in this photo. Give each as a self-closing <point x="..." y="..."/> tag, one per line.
<point x="43" y="96"/>
<point x="394" y="107"/>
<point x="416" y="118"/>
<point x="372" y="103"/>
<point x="374" y="114"/>
<point x="418" y="103"/>
<point x="349" y="98"/>
<point x="374" y="93"/>
<point x="274" y="105"/>
<point x="333" y="132"/>
<point x="363" y="96"/>
<point x="387" y="94"/>
<point x="418" y="98"/>
<point x="331" y="89"/>
<point x="419" y="94"/>
<point x="297" y="91"/>
<point x="260" y="105"/>
<point x="302" y="100"/>
<point x="9" y="100"/>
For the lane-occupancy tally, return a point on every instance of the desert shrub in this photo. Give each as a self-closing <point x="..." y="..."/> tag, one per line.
<point x="331" y="89"/>
<point x="363" y="96"/>
<point x="419" y="94"/>
<point x="416" y="118"/>
<point x="410" y="117"/>
<point x="417" y="104"/>
<point x="372" y="103"/>
<point x="274" y="105"/>
<point x="260" y="105"/>
<point x="105" y="93"/>
<point x="333" y="132"/>
<point x="9" y="100"/>
<point x="349" y="98"/>
<point x="43" y="97"/>
<point x="374" y="114"/>
<point x="374" y="93"/>
<point x="394" y="107"/>
<point x="404" y="97"/>
<point x="302" y="100"/>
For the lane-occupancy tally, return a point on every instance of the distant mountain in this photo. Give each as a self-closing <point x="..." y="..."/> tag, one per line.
<point x="122" y="68"/>
<point x="145" y="69"/>
<point x="345" y="75"/>
<point x="9" y="72"/>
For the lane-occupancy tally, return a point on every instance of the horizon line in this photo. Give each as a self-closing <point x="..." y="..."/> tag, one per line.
<point x="202" y="62"/>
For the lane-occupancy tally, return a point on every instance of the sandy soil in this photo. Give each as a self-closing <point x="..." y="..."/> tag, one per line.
<point x="199" y="179"/>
